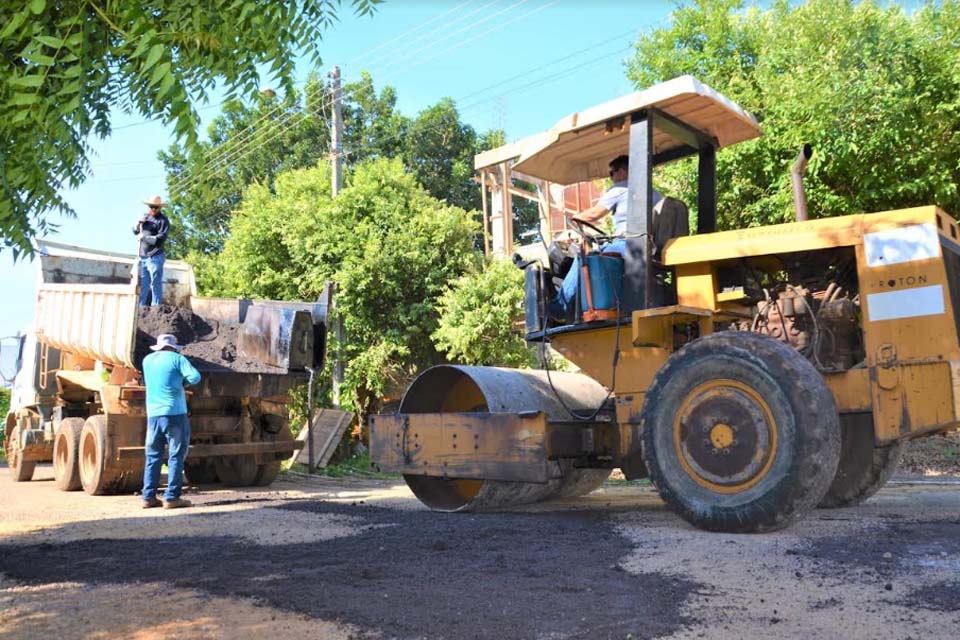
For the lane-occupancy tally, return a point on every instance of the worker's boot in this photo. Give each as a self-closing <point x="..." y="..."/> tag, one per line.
<point x="151" y="503"/>
<point x="176" y="503"/>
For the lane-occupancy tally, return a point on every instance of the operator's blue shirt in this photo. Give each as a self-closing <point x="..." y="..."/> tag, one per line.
<point x="164" y="373"/>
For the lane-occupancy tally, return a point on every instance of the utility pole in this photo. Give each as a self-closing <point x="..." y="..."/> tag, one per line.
<point x="336" y="134"/>
<point x="336" y="181"/>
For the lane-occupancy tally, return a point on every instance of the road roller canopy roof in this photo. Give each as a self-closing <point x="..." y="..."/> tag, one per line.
<point x="580" y="146"/>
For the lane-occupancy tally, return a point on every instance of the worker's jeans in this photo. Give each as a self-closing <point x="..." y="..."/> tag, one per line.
<point x="151" y="278"/>
<point x="172" y="432"/>
<point x="563" y="305"/>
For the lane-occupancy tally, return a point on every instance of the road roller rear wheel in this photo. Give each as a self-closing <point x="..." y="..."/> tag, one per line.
<point x="740" y="433"/>
<point x="864" y="467"/>
<point x="66" y="457"/>
<point x="453" y="389"/>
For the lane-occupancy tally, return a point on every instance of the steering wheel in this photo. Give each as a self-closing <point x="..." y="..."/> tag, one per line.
<point x="599" y="234"/>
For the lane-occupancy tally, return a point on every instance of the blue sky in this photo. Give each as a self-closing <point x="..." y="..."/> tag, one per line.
<point x="427" y="49"/>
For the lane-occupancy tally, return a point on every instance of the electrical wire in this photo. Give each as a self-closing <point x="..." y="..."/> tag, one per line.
<point x="240" y="140"/>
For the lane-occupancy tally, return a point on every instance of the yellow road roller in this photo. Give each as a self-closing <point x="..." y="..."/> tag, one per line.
<point x="752" y="375"/>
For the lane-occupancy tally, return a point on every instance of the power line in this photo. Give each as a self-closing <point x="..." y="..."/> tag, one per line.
<point x="231" y="153"/>
<point x="394" y="61"/>
<point x="359" y="56"/>
<point x="419" y="38"/>
<point x="242" y="139"/>
<point x="224" y="151"/>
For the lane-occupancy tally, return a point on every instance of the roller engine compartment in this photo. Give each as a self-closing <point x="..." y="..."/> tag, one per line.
<point x="808" y="300"/>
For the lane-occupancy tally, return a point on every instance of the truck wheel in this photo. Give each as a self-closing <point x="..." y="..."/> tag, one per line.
<point x="268" y="472"/>
<point x="20" y="470"/>
<point x="131" y="482"/>
<point x="864" y="467"/>
<point x="66" y="459"/>
<point x="202" y="471"/>
<point x="236" y="471"/>
<point x="97" y="475"/>
<point x="740" y="433"/>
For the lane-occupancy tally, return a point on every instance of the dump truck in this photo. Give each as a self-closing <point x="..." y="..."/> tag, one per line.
<point x="751" y="374"/>
<point x="78" y="398"/>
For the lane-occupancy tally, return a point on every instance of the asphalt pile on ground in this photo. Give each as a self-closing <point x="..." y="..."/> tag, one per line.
<point x="210" y="345"/>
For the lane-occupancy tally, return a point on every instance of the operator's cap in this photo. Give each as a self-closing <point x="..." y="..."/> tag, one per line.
<point x="166" y="340"/>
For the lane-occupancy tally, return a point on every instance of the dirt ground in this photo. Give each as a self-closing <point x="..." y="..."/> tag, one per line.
<point x="324" y="558"/>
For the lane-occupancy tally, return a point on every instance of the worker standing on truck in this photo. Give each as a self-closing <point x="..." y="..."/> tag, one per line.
<point x="152" y="229"/>
<point x="165" y="373"/>
<point x="614" y="200"/>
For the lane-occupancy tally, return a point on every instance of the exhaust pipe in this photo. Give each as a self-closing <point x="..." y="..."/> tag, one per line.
<point x="796" y="177"/>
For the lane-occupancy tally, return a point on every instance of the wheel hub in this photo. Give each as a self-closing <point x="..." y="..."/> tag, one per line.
<point x="725" y="436"/>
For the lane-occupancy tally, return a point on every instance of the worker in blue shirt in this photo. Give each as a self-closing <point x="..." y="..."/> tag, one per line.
<point x="165" y="372"/>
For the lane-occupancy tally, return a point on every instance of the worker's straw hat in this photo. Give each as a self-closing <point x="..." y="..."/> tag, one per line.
<point x="166" y="340"/>
<point x="155" y="201"/>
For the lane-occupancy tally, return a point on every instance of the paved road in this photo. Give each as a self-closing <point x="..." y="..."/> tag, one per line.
<point x="323" y="558"/>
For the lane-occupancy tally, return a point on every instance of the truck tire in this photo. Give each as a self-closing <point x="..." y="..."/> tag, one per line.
<point x="20" y="470"/>
<point x="66" y="457"/>
<point x="97" y="473"/>
<point x="864" y="467"/>
<point x="740" y="433"/>
<point x="268" y="472"/>
<point x="237" y="471"/>
<point x="202" y="471"/>
<point x="131" y="482"/>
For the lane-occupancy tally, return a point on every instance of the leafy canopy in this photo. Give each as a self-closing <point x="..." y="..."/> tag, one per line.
<point x="390" y="247"/>
<point x="65" y="65"/>
<point x="875" y="91"/>
<point x="253" y="143"/>
<point x="478" y="316"/>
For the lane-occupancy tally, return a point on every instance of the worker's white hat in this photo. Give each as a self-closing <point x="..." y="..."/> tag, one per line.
<point x="155" y="201"/>
<point x="166" y="340"/>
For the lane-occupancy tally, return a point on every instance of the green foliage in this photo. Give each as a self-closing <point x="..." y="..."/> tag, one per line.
<point x="479" y="315"/>
<point x="64" y="66"/>
<point x="389" y="246"/>
<point x="874" y="90"/>
<point x="246" y="144"/>
<point x="356" y="466"/>
<point x="254" y="143"/>
<point x="4" y="408"/>
<point x="439" y="149"/>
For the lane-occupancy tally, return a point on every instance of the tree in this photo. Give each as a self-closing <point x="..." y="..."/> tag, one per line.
<point x="64" y="66"/>
<point x="874" y="90"/>
<point x="479" y="315"/>
<point x="439" y="149"/>
<point x="252" y="143"/>
<point x="4" y="408"/>
<point x="390" y="246"/>
<point x="247" y="144"/>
